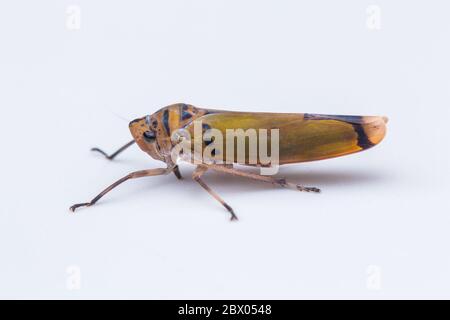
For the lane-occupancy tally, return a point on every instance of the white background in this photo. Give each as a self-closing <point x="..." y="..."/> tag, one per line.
<point x="380" y="229"/>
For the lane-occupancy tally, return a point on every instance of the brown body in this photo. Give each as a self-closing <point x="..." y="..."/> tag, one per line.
<point x="302" y="137"/>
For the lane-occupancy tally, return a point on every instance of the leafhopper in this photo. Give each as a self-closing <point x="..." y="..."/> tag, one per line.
<point x="218" y="139"/>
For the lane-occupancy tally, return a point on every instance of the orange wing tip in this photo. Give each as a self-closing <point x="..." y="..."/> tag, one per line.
<point x="376" y="130"/>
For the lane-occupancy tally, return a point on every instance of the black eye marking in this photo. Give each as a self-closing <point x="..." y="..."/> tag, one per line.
<point x="155" y="124"/>
<point x="149" y="136"/>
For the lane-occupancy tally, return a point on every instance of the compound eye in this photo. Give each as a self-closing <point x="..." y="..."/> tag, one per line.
<point x="149" y="136"/>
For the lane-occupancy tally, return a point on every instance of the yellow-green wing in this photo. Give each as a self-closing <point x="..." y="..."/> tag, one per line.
<point x="302" y="136"/>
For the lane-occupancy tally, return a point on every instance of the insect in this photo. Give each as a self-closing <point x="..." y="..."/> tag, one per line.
<point x="301" y="137"/>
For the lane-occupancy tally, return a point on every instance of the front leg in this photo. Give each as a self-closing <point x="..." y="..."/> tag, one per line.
<point x="133" y="175"/>
<point x="177" y="173"/>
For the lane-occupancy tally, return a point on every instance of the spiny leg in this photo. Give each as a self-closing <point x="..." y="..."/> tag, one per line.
<point x="133" y="175"/>
<point x="196" y="175"/>
<point x="112" y="156"/>
<point x="276" y="181"/>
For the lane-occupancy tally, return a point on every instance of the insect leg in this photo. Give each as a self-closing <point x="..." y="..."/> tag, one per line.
<point x="276" y="181"/>
<point x="176" y="171"/>
<point x="133" y="175"/>
<point x="112" y="156"/>
<point x="196" y="175"/>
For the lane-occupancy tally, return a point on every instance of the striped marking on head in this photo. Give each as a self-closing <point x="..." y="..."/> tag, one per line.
<point x="184" y="112"/>
<point x="165" y="120"/>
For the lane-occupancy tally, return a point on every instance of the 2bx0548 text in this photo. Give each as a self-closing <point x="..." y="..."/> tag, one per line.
<point x="246" y="309"/>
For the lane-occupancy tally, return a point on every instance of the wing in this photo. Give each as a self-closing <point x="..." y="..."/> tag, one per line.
<point x="302" y="136"/>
